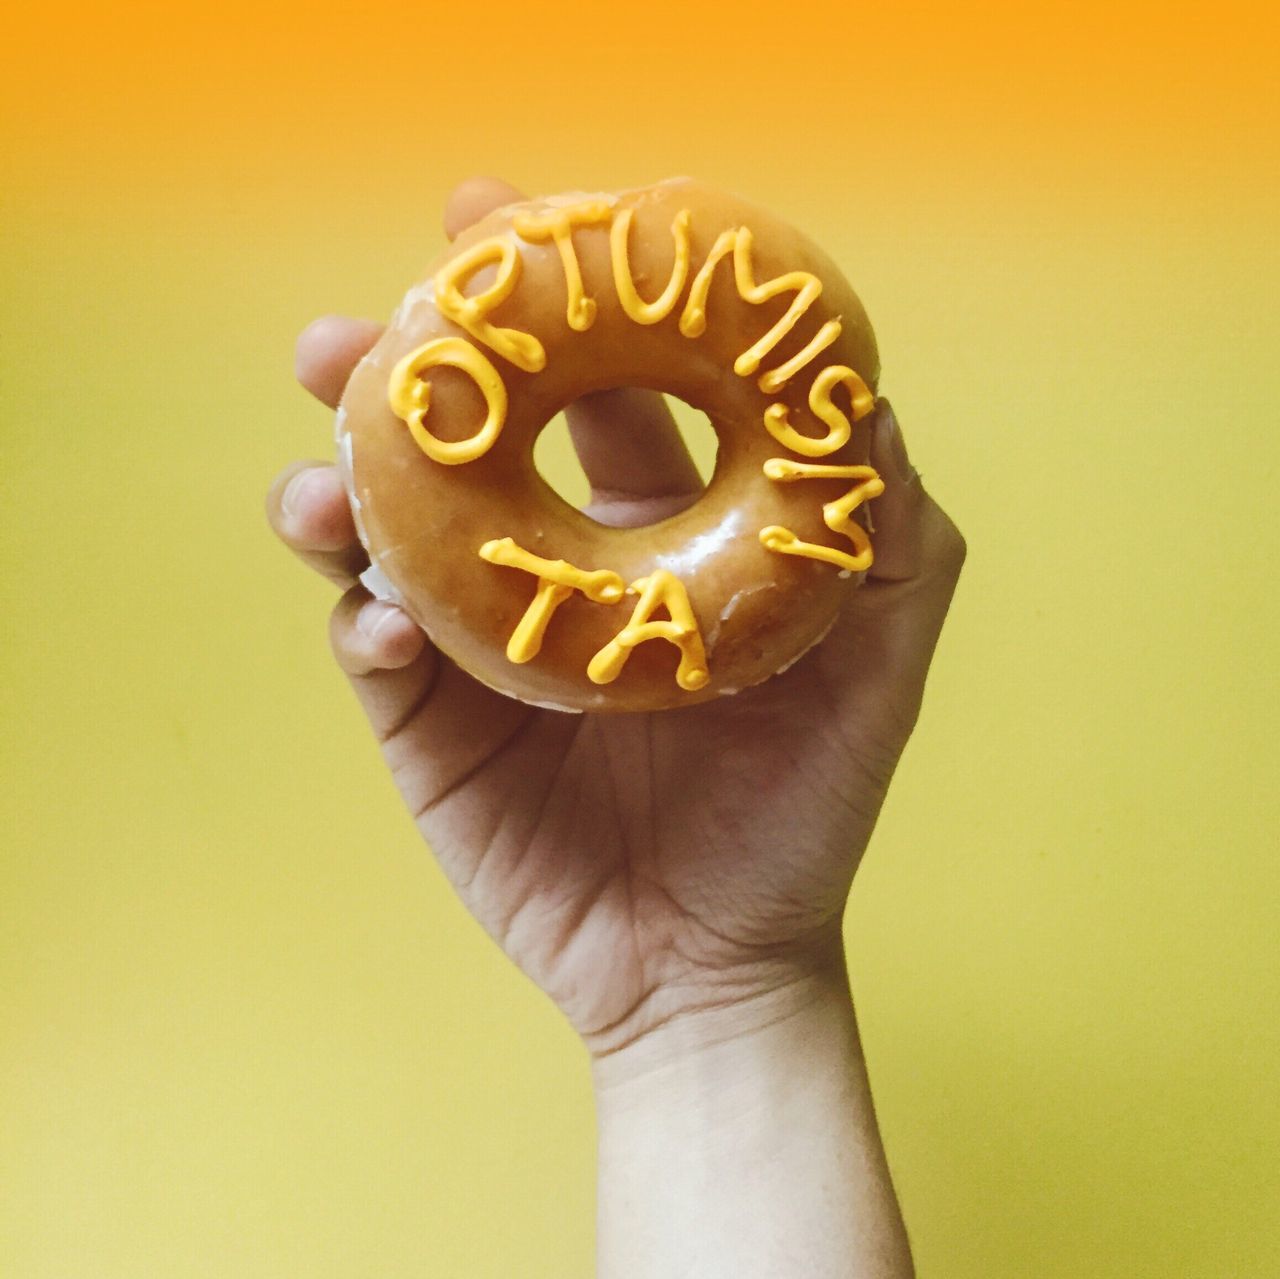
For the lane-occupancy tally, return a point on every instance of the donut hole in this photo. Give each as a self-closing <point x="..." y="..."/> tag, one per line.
<point x="558" y="463"/>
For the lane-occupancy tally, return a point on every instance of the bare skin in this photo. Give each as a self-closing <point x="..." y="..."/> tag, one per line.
<point x="658" y="876"/>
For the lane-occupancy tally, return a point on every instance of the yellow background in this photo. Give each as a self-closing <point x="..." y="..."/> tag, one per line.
<point x="245" y="1029"/>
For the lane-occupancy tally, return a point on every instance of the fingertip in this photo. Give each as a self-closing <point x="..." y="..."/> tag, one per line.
<point x="394" y="638"/>
<point x="474" y="198"/>
<point x="315" y="513"/>
<point x="313" y="349"/>
<point x="328" y="349"/>
<point x="369" y="635"/>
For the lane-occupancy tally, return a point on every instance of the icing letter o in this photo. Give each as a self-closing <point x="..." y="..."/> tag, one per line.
<point x="410" y="395"/>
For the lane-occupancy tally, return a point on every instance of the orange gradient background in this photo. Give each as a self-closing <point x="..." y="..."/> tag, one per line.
<point x="244" y="1027"/>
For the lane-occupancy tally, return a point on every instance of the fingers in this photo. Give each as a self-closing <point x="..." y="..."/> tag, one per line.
<point x="474" y="199"/>
<point x="634" y="456"/>
<point x="389" y="659"/>
<point x="327" y="351"/>
<point x="436" y="724"/>
<point x="308" y="510"/>
<point x="392" y="665"/>
<point x="371" y="635"/>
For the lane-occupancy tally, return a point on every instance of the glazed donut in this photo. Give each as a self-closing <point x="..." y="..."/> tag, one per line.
<point x="675" y="287"/>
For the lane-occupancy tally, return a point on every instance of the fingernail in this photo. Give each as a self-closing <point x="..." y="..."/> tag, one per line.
<point x="897" y="445"/>
<point x="295" y="489"/>
<point x="375" y="617"/>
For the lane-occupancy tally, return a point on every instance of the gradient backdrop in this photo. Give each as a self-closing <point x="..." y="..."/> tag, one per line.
<point x="245" y="1030"/>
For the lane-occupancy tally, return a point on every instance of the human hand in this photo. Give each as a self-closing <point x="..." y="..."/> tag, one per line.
<point x="641" y="868"/>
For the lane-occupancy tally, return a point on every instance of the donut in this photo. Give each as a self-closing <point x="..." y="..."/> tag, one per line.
<point x="675" y="287"/>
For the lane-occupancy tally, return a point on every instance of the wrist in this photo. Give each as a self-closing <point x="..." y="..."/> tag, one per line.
<point x="748" y="1012"/>
<point x="741" y="1141"/>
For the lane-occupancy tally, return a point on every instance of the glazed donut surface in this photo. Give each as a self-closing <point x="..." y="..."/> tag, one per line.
<point x="676" y="288"/>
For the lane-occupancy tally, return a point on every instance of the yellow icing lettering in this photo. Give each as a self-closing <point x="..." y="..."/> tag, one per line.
<point x="785" y="542"/>
<point x="836" y="515"/>
<point x="640" y="311"/>
<point x="557" y="580"/>
<point x="558" y="225"/>
<point x="693" y="319"/>
<point x="409" y="393"/>
<point x="660" y="589"/>
<point x="806" y="286"/>
<point x="773" y="381"/>
<point x="838" y="426"/>
<point x="471" y="313"/>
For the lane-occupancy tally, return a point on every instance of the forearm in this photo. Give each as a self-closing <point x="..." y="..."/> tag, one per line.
<point x="743" y="1143"/>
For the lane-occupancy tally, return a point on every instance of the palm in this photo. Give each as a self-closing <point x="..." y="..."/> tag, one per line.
<point x="612" y="855"/>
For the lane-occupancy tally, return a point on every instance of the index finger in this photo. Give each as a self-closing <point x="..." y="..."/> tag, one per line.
<point x="327" y="352"/>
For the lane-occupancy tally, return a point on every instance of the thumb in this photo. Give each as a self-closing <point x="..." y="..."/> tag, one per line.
<point x="889" y="628"/>
<point x="914" y="538"/>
